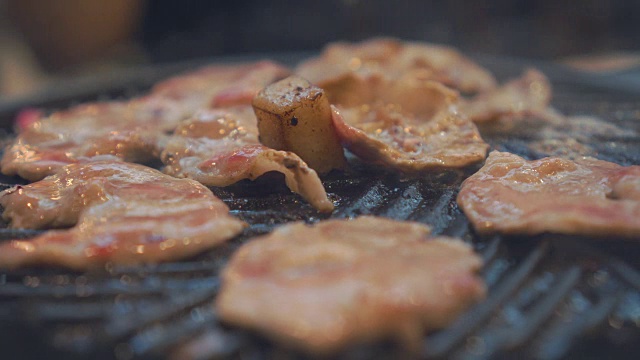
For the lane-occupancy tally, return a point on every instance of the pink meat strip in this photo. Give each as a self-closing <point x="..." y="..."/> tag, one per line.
<point x="219" y="147"/>
<point x="118" y="213"/>
<point x="586" y="197"/>
<point x="128" y="130"/>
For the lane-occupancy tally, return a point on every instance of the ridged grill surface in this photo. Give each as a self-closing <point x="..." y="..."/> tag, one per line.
<point x="549" y="296"/>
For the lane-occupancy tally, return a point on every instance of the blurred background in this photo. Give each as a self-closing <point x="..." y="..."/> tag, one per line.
<point x="43" y="42"/>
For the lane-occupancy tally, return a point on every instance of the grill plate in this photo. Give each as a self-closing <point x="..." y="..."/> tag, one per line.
<point x="549" y="296"/>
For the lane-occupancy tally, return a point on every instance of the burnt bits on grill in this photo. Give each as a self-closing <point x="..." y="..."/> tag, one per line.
<point x="340" y="282"/>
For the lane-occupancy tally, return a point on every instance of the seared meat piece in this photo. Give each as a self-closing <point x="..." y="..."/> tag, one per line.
<point x="390" y="109"/>
<point x="295" y="116"/>
<point x="587" y="197"/>
<point x="414" y="127"/>
<point x="120" y="213"/>
<point x="129" y="130"/>
<point x="219" y="147"/>
<point x="342" y="282"/>
<point x="391" y="59"/>
<point x="529" y="94"/>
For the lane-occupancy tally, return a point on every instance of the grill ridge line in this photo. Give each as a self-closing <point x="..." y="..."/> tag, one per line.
<point x="558" y="340"/>
<point x="500" y="339"/>
<point x="441" y="343"/>
<point x="119" y="327"/>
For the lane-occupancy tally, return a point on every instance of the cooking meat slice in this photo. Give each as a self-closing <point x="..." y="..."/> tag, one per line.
<point x="117" y="212"/>
<point x="587" y="197"/>
<point x="341" y="282"/>
<point x="390" y="59"/>
<point x="219" y="147"/>
<point x="414" y="127"/>
<point x="447" y="66"/>
<point x="220" y="85"/>
<point x="129" y="130"/>
<point x="529" y="94"/>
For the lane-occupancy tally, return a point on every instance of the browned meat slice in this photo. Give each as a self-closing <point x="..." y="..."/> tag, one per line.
<point x="390" y="59"/>
<point x="295" y="116"/>
<point x="587" y="197"/>
<point x="129" y="130"/>
<point x="219" y="147"/>
<point x="341" y="282"/>
<point x="529" y="94"/>
<point x="121" y="213"/>
<point x="415" y="127"/>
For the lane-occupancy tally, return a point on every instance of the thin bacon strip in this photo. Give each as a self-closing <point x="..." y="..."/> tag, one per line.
<point x="129" y="130"/>
<point x="219" y="147"/>
<point x="585" y="197"/>
<point x="119" y="212"/>
<point x="341" y="282"/>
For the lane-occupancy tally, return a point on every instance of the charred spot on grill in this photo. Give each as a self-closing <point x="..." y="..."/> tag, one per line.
<point x="294" y="121"/>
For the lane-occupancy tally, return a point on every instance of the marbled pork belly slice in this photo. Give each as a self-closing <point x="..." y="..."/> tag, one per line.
<point x="322" y="287"/>
<point x="391" y="59"/>
<point x="220" y="147"/>
<point x="116" y="212"/>
<point x="585" y="196"/>
<point x="414" y="127"/>
<point x="129" y="130"/>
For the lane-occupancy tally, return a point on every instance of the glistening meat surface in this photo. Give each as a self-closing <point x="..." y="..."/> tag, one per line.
<point x="341" y="282"/>
<point x="219" y="147"/>
<point x="587" y="197"/>
<point x="528" y="94"/>
<point x="415" y="127"/>
<point x="391" y="59"/>
<point x="118" y="212"/>
<point x="129" y="130"/>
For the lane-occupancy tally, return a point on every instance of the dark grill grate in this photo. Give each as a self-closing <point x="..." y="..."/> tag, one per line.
<point x="549" y="296"/>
